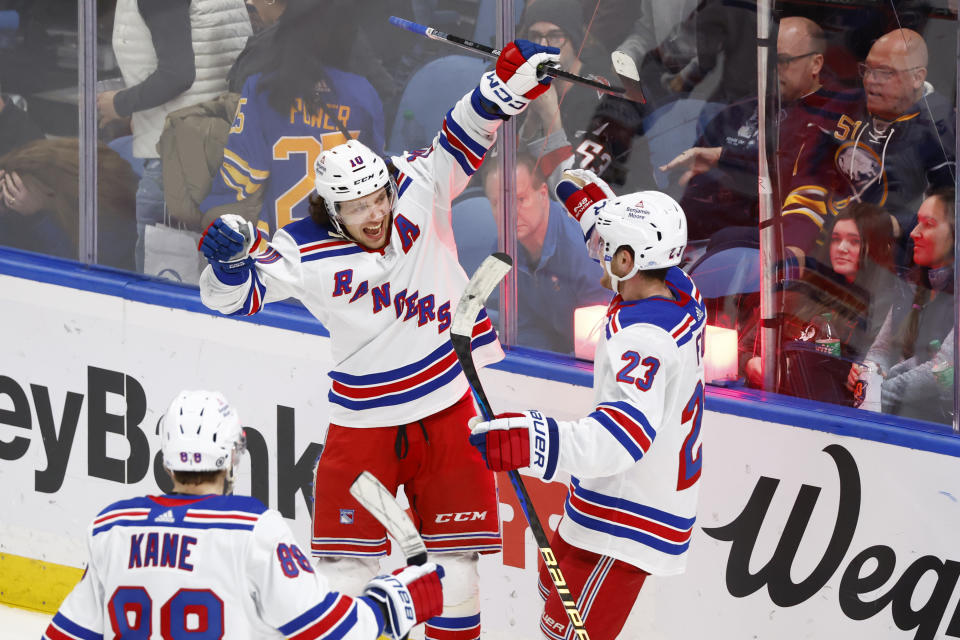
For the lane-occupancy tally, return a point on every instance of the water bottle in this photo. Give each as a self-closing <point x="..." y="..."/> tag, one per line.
<point x="942" y="369"/>
<point x="412" y="135"/>
<point x="826" y="340"/>
<point x="866" y="393"/>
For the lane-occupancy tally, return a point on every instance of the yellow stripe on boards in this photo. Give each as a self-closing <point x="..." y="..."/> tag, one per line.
<point x="35" y="584"/>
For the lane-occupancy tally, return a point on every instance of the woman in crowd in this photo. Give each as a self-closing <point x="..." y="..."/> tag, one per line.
<point x="851" y="278"/>
<point x="916" y="332"/>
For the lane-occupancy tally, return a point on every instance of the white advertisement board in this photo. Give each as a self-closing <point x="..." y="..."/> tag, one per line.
<point x="800" y="533"/>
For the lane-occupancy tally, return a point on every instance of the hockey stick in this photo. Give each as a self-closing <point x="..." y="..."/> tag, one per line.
<point x="382" y="505"/>
<point x="623" y="64"/>
<point x="483" y="282"/>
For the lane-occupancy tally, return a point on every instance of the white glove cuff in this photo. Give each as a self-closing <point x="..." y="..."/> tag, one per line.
<point x="544" y="445"/>
<point x="496" y="91"/>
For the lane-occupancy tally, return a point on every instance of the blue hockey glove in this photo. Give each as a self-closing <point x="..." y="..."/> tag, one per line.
<point x="229" y="244"/>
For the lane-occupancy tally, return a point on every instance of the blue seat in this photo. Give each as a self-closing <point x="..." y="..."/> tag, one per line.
<point x="485" y="30"/>
<point x="727" y="272"/>
<point x="429" y="94"/>
<point x="474" y="231"/>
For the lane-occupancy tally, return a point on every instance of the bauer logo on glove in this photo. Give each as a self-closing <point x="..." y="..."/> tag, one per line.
<point x="519" y="440"/>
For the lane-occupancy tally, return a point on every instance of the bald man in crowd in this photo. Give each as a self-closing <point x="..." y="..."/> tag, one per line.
<point x="887" y="148"/>
<point x="727" y="151"/>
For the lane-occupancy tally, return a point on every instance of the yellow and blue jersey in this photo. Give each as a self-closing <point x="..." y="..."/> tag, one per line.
<point x="276" y="151"/>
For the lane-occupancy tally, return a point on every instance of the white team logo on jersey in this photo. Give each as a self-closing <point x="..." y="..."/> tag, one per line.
<point x="346" y="516"/>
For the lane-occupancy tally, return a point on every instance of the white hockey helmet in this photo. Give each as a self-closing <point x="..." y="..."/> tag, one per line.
<point x="346" y="172"/>
<point x="201" y="432"/>
<point x="651" y="223"/>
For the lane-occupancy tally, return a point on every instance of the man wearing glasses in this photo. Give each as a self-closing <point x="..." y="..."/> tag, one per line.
<point x="888" y="148"/>
<point x="558" y="117"/>
<point x="726" y="194"/>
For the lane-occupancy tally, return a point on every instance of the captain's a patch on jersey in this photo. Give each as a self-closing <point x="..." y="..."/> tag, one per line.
<point x="346" y="516"/>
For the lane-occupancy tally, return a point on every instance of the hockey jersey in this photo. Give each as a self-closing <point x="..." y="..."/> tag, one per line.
<point x="862" y="158"/>
<point x="388" y="311"/>
<point x="211" y="566"/>
<point x="276" y="151"/>
<point x="635" y="461"/>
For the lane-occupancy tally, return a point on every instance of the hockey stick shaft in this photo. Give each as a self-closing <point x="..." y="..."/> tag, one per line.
<point x="486" y="277"/>
<point x="490" y="52"/>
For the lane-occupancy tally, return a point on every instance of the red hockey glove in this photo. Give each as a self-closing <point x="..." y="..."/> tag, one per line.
<point x="409" y="596"/>
<point x="516" y="81"/>
<point x="579" y="190"/>
<point x="517" y="440"/>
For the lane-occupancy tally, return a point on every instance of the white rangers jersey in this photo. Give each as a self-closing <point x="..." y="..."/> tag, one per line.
<point x="177" y="566"/>
<point x="388" y="311"/>
<point x="635" y="461"/>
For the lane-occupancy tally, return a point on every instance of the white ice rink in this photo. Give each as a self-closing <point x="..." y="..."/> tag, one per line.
<point x="16" y="624"/>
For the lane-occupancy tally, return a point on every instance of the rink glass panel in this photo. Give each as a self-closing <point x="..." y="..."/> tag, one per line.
<point x="698" y="66"/>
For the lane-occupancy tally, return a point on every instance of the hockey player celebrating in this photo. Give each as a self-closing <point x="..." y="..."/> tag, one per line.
<point x="377" y="265"/>
<point x="201" y="561"/>
<point x="635" y="460"/>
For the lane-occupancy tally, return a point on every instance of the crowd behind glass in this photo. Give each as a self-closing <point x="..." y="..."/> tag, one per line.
<point x="220" y="106"/>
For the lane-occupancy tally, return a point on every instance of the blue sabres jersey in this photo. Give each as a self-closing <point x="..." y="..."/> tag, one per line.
<point x="276" y="151"/>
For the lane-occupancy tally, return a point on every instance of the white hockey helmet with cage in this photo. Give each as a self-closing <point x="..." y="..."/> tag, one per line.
<point x="201" y="432"/>
<point x="651" y="223"/>
<point x="346" y="172"/>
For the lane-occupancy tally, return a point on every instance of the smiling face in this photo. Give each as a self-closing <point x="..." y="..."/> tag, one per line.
<point x="933" y="235"/>
<point x="845" y="246"/>
<point x="367" y="219"/>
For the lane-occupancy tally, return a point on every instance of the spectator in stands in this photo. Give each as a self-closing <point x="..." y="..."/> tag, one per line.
<point x="888" y="147"/>
<point x="662" y="42"/>
<point x="264" y="15"/>
<point x="305" y="102"/>
<point x="723" y="29"/>
<point x="852" y="278"/>
<point x="40" y="198"/>
<point x="905" y="348"/>
<point x="171" y="54"/>
<point x="555" y="275"/>
<point x="721" y="171"/>
<point x="557" y="118"/>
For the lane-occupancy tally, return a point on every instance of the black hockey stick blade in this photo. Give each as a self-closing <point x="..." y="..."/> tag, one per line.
<point x="382" y="505"/>
<point x="481" y="285"/>
<point x="490" y="52"/>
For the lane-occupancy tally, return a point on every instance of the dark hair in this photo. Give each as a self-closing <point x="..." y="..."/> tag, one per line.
<point x="196" y="477"/>
<point x="310" y="35"/>
<point x="920" y="276"/>
<point x="318" y="211"/>
<point x="875" y="227"/>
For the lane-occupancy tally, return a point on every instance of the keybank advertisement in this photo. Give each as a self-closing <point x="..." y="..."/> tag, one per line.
<point x="800" y="533"/>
